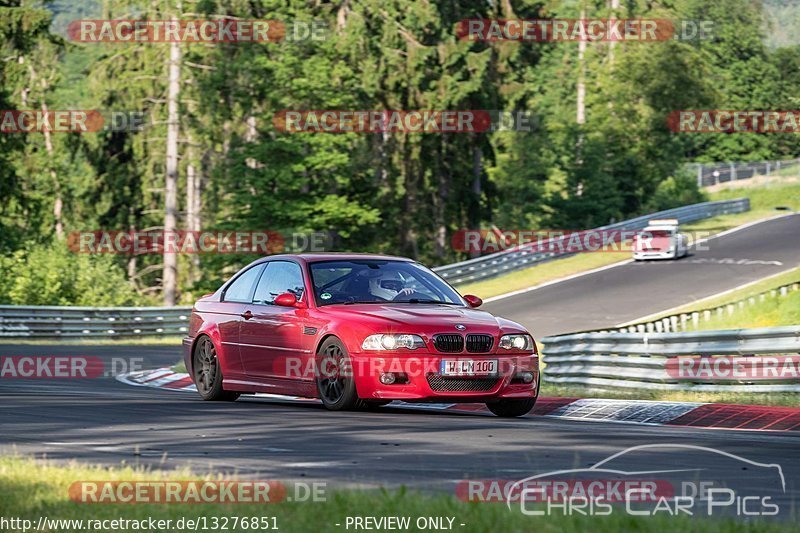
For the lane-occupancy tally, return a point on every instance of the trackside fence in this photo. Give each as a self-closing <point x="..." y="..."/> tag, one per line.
<point x="98" y="322"/>
<point x="709" y="174"/>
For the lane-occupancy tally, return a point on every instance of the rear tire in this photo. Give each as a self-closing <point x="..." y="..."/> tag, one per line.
<point x="511" y="408"/>
<point x="207" y="373"/>
<point x="335" y="381"/>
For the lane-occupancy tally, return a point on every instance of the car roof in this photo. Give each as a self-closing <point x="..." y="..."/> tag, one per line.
<point x="314" y="257"/>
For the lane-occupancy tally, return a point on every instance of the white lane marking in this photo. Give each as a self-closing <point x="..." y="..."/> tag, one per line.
<point x="628" y="261"/>
<point x="704" y="299"/>
<point x="553" y="282"/>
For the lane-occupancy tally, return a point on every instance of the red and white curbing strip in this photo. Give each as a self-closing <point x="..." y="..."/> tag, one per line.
<point x="705" y="415"/>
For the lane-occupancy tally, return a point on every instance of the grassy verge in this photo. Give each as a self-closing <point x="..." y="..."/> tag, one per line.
<point x="773" y="311"/>
<point x="31" y="490"/>
<point x="786" y="399"/>
<point x="763" y="201"/>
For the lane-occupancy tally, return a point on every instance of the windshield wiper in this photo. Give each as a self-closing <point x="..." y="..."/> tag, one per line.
<point x="426" y="301"/>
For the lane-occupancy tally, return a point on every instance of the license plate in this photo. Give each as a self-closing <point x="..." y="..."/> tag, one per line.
<point x="468" y="367"/>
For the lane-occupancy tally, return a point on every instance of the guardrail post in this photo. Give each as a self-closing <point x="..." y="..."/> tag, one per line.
<point x="784" y="291"/>
<point x="695" y="319"/>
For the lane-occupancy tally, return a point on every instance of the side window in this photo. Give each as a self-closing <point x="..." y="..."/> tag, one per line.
<point x="279" y="277"/>
<point x="241" y="290"/>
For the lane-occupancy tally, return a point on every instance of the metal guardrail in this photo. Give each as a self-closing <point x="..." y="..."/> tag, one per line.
<point x="520" y="257"/>
<point x="81" y="322"/>
<point x="649" y="361"/>
<point x="709" y="174"/>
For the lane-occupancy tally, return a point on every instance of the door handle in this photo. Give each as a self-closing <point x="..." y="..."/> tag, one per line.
<point x="247" y="315"/>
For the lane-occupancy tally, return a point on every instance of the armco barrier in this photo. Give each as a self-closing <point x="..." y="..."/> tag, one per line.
<point x="101" y="322"/>
<point x="642" y="361"/>
<point x="499" y="263"/>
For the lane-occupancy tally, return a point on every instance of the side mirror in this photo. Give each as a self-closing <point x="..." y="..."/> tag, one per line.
<point x="473" y="301"/>
<point x="287" y="299"/>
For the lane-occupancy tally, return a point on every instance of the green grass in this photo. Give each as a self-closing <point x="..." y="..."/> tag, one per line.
<point x="773" y="311"/>
<point x="30" y="489"/>
<point x="764" y="197"/>
<point x="763" y="200"/>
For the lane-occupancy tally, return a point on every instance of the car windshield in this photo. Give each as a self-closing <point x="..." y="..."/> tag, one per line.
<point x="655" y="233"/>
<point x="379" y="281"/>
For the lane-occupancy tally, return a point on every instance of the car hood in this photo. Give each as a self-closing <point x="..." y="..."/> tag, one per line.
<point x="422" y="317"/>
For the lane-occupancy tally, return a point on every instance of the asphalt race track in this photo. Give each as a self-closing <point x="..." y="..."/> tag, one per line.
<point x="636" y="289"/>
<point x="107" y="422"/>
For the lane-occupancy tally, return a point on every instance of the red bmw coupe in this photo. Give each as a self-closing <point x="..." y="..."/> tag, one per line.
<point x="357" y="331"/>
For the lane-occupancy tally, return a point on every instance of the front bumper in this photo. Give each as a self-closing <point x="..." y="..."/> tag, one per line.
<point x="669" y="254"/>
<point x="423" y="382"/>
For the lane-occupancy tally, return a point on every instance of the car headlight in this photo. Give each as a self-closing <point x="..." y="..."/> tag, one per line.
<point x="384" y="341"/>
<point x="516" y="342"/>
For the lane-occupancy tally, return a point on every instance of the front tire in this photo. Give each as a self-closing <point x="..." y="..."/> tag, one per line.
<point x="335" y="381"/>
<point x="511" y="408"/>
<point x="207" y="373"/>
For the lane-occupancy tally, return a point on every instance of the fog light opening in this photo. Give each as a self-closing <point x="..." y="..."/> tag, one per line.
<point x="525" y="377"/>
<point x="388" y="378"/>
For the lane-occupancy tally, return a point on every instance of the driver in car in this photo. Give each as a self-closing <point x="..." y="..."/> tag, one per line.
<point x="389" y="285"/>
